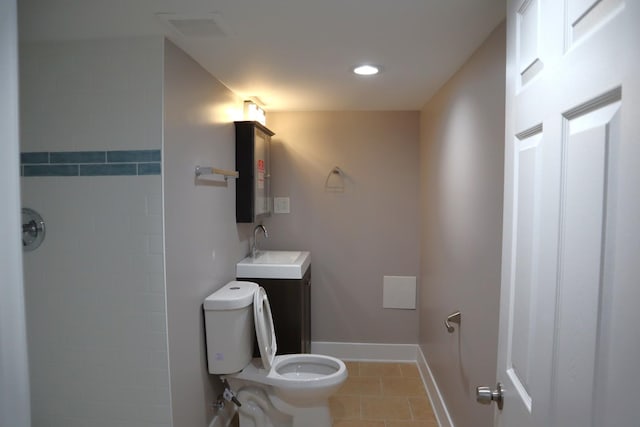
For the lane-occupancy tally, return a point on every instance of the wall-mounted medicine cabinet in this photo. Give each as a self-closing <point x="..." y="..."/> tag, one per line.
<point x="253" y="187"/>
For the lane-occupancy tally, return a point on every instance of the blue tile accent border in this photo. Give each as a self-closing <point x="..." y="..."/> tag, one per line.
<point x="91" y="163"/>
<point x="111" y="170"/>
<point x="51" y="170"/>
<point x="42" y="157"/>
<point x="133" y="156"/>
<point x="148" y="168"/>
<point x="77" y="157"/>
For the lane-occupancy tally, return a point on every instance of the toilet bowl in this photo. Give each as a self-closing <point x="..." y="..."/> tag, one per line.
<point x="286" y="390"/>
<point x="258" y="411"/>
<point x="298" y="379"/>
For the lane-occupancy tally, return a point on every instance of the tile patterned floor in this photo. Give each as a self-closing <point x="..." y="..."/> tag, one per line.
<point x="382" y="395"/>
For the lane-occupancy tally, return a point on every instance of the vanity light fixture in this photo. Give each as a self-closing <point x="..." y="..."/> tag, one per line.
<point x="366" y="70"/>
<point x="254" y="112"/>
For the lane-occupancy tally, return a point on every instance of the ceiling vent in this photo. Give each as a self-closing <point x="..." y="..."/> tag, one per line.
<point x="194" y="26"/>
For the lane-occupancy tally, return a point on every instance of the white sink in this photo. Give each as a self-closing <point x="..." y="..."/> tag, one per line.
<point x="274" y="265"/>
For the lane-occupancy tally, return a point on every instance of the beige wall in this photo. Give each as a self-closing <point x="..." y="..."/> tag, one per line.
<point x="357" y="236"/>
<point x="461" y="161"/>
<point x="202" y="241"/>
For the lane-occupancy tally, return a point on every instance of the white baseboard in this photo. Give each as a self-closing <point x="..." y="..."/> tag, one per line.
<point x="437" y="402"/>
<point x="367" y="351"/>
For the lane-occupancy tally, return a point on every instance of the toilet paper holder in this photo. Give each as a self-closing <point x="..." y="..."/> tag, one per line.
<point x="455" y="317"/>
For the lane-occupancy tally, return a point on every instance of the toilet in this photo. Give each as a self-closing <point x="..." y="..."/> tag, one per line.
<point x="285" y="391"/>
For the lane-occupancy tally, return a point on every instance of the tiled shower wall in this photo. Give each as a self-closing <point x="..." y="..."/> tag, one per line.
<point x="95" y="294"/>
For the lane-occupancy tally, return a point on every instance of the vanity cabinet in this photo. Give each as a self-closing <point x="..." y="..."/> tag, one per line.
<point x="290" y="301"/>
<point x="253" y="193"/>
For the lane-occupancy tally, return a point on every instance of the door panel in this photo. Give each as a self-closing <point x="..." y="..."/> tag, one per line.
<point x="587" y="144"/>
<point x="584" y="16"/>
<point x="528" y="33"/>
<point x="528" y="146"/>
<point x="567" y="352"/>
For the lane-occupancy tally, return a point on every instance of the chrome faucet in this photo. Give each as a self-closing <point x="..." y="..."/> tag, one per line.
<point x="254" y="249"/>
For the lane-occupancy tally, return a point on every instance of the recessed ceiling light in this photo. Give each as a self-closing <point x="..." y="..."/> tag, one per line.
<point x="366" y="70"/>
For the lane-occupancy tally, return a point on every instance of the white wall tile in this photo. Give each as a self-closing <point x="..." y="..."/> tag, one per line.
<point x="95" y="288"/>
<point x="93" y="94"/>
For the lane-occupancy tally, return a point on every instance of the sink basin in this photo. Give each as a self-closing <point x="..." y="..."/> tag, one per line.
<point x="274" y="265"/>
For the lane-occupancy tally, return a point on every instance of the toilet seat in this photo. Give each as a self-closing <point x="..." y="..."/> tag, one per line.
<point x="265" y="332"/>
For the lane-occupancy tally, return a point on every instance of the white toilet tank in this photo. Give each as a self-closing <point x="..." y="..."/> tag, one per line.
<point x="229" y="327"/>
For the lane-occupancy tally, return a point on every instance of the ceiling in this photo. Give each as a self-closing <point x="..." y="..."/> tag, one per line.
<point x="293" y="54"/>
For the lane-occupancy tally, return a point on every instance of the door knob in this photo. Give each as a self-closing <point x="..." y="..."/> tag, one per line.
<point x="485" y="395"/>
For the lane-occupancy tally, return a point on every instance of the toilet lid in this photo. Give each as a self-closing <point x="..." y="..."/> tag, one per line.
<point x="264" y="328"/>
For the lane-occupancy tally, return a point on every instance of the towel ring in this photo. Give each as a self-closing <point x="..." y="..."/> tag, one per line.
<point x="339" y="175"/>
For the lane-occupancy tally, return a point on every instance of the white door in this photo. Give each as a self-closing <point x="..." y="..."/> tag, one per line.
<point x="569" y="346"/>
